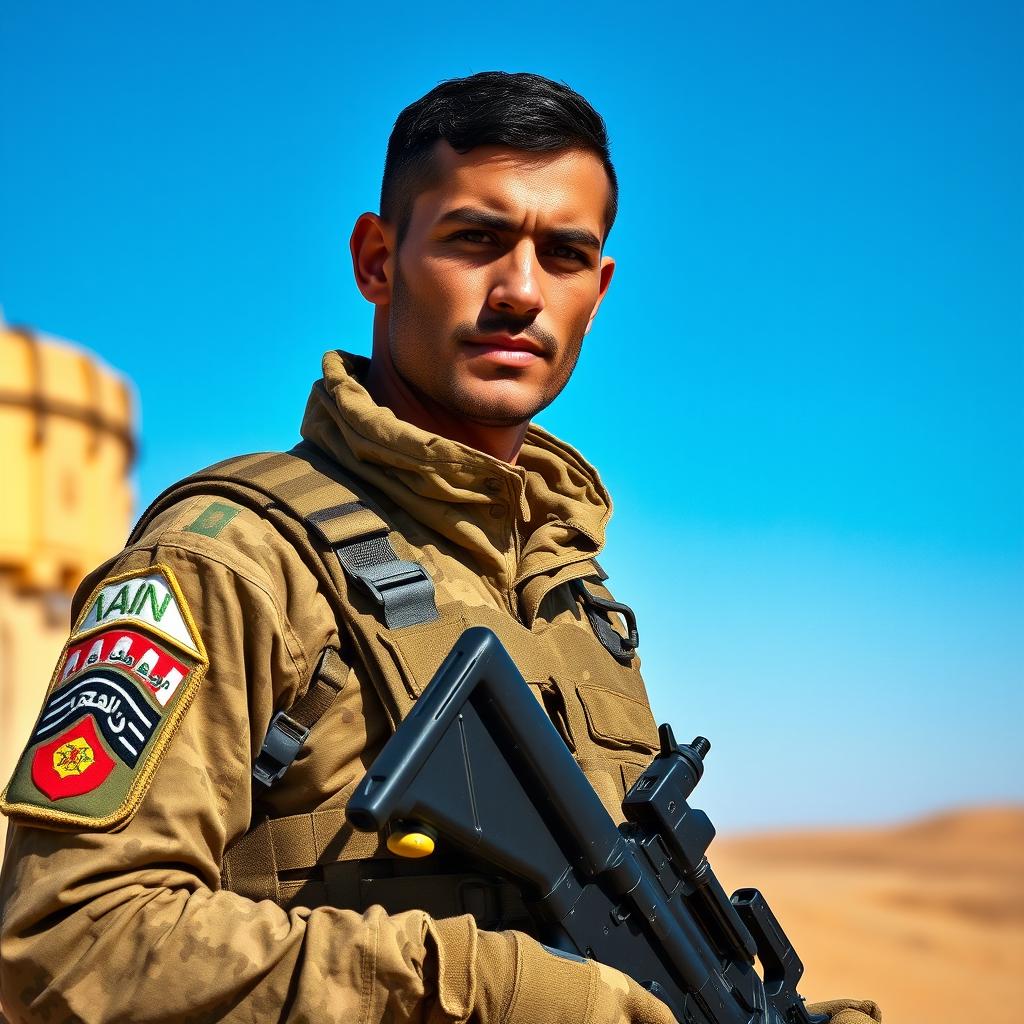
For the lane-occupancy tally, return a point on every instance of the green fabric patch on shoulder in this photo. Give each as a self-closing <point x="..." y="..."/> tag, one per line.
<point x="213" y="519"/>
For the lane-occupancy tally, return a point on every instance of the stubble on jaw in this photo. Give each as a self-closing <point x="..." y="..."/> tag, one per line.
<point x="441" y="387"/>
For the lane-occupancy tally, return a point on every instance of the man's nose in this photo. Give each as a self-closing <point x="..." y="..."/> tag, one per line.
<point x="517" y="288"/>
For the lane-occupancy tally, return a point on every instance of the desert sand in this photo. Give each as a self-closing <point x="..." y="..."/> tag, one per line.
<point x="927" y="919"/>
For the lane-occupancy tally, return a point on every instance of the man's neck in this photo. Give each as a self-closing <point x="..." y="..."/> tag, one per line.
<point x="387" y="389"/>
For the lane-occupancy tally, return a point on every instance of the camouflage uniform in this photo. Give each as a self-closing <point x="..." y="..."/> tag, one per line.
<point x="135" y="792"/>
<point x="130" y="920"/>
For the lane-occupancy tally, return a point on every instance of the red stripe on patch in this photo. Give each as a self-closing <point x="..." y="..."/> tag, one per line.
<point x="128" y="649"/>
<point x="72" y="764"/>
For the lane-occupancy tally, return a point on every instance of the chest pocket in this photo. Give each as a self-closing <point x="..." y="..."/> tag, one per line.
<point x="601" y="693"/>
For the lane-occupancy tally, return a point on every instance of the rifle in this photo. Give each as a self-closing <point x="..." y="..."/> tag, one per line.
<point x="478" y="764"/>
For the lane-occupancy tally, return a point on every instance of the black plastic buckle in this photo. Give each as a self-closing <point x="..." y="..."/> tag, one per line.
<point x="285" y="738"/>
<point x="631" y="641"/>
<point x="598" y="608"/>
<point x="377" y="579"/>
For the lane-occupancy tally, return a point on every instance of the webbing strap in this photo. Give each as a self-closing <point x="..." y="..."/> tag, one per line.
<point x="328" y="682"/>
<point x="290" y="729"/>
<point x="303" y="480"/>
<point x="309" y="484"/>
<point x="320" y="837"/>
<point x="312" y="501"/>
<point x="310" y="860"/>
<point x="402" y="589"/>
<point x="252" y="865"/>
<point x="249" y="867"/>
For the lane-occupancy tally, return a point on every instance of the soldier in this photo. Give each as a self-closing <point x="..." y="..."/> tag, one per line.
<point x="180" y="850"/>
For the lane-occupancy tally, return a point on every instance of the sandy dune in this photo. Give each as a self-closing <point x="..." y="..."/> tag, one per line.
<point x="927" y="919"/>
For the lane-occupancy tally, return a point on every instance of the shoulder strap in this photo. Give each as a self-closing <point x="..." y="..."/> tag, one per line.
<point x="309" y="485"/>
<point x="332" y="522"/>
<point x="290" y="729"/>
<point x="316" y="492"/>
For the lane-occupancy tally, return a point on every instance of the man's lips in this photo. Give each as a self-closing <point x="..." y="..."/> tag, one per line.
<point x="506" y="343"/>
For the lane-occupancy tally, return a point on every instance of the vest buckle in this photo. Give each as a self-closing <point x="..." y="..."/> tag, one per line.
<point x="284" y="739"/>
<point x="403" y="590"/>
<point x="621" y="648"/>
<point x="379" y="580"/>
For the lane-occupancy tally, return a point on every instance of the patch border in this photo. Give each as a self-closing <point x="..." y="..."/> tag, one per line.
<point x="33" y="813"/>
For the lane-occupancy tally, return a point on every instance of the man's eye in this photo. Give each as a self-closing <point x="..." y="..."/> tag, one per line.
<point x="564" y="252"/>
<point x="481" y="236"/>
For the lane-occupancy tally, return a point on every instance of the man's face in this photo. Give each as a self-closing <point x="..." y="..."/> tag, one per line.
<point x="497" y="279"/>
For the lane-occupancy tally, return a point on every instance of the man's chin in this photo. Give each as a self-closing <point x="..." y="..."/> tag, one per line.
<point x="493" y="414"/>
<point x="494" y="403"/>
<point x="498" y="421"/>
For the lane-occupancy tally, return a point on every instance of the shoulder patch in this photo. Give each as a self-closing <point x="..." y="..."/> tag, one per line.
<point x="124" y="680"/>
<point x="213" y="519"/>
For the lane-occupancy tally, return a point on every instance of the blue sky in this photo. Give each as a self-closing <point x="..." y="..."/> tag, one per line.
<point x="804" y="389"/>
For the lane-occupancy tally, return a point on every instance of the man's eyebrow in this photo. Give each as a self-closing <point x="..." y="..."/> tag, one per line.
<point x="496" y="222"/>
<point x="575" y="236"/>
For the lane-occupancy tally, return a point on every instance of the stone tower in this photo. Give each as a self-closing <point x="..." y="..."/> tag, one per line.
<point x="66" y="502"/>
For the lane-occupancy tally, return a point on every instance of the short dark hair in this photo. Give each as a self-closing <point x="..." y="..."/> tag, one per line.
<point x="492" y="108"/>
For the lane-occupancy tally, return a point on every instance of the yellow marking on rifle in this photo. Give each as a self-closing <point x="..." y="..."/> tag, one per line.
<point x="411" y="844"/>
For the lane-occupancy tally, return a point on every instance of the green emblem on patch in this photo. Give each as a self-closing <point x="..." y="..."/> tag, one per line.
<point x="213" y="519"/>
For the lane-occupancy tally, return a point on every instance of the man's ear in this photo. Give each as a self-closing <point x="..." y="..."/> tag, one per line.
<point x="372" y="248"/>
<point x="607" y="269"/>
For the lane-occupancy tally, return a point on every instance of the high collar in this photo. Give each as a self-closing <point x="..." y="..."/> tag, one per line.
<point x="548" y="510"/>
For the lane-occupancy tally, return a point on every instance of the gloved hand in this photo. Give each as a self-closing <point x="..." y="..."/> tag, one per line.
<point x="848" y="1011"/>
<point x="520" y="982"/>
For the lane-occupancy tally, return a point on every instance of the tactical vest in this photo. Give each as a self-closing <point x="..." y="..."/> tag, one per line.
<point x="397" y="618"/>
